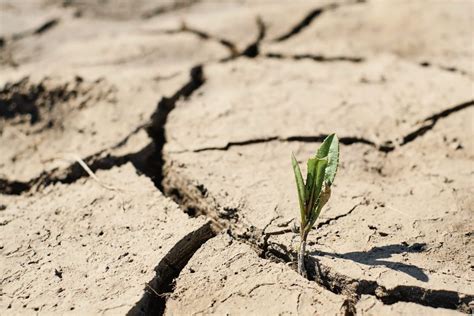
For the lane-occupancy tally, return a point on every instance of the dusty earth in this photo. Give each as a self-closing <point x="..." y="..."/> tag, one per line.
<point x="145" y="156"/>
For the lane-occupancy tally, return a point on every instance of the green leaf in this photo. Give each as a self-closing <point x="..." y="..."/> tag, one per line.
<point x="330" y="149"/>
<point x="314" y="182"/>
<point x="321" y="169"/>
<point x="310" y="177"/>
<point x="300" y="187"/>
<point x="323" y="199"/>
<point x="312" y="206"/>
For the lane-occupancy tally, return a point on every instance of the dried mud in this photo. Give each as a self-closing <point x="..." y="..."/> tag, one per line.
<point x="145" y="169"/>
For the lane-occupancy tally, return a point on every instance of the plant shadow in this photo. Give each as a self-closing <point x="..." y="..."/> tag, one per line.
<point x="373" y="258"/>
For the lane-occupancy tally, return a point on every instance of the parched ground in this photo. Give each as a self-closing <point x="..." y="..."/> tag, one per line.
<point x="145" y="156"/>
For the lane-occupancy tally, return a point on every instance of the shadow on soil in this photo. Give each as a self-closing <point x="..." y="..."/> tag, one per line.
<point x="373" y="258"/>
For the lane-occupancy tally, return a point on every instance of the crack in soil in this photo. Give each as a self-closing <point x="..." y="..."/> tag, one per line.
<point x="43" y="28"/>
<point x="253" y="50"/>
<point x="156" y="129"/>
<point x="46" y="26"/>
<point x="67" y="175"/>
<point x="339" y="283"/>
<point x="333" y="219"/>
<point x="310" y="17"/>
<point x="430" y="122"/>
<point x="239" y="143"/>
<point x="169" y="7"/>
<point x="385" y="146"/>
<point x="148" y="160"/>
<point x="153" y="301"/>
<point x="445" y="68"/>
<point x="13" y="187"/>
<point x="229" y="45"/>
<point x="345" y="140"/>
<point x="322" y="274"/>
<point x="316" y="58"/>
<point x="101" y="160"/>
<point x="195" y="200"/>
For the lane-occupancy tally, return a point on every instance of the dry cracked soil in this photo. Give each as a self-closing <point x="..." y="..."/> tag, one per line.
<point x="145" y="156"/>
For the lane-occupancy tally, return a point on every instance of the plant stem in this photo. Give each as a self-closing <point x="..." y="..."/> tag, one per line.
<point x="301" y="254"/>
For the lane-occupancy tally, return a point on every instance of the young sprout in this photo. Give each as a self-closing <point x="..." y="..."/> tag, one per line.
<point x="315" y="193"/>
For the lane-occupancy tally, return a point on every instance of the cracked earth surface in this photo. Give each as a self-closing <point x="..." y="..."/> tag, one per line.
<point x="186" y="113"/>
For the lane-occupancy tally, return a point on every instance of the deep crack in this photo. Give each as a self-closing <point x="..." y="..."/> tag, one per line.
<point x="322" y="274"/>
<point x="253" y="50"/>
<point x="338" y="283"/>
<point x="149" y="160"/>
<point x="153" y="301"/>
<point x="156" y="129"/>
<point x="13" y="187"/>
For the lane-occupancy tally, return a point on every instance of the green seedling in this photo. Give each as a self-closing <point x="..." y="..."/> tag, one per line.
<point x="315" y="193"/>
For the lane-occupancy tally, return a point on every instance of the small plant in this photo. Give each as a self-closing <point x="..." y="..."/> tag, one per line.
<point x="315" y="193"/>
